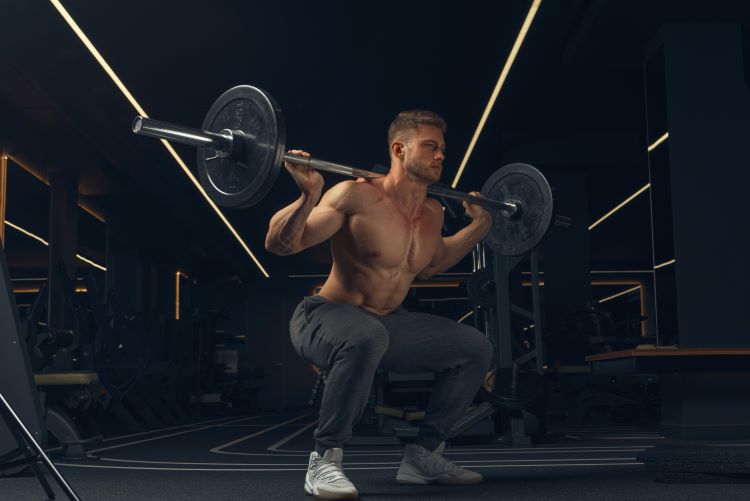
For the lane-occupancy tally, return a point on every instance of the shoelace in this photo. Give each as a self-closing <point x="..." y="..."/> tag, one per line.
<point x="434" y="463"/>
<point x="327" y="471"/>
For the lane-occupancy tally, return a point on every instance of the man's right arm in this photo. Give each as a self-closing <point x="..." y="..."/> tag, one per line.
<point x="303" y="224"/>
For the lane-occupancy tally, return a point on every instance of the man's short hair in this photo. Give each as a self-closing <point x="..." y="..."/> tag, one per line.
<point x="407" y="121"/>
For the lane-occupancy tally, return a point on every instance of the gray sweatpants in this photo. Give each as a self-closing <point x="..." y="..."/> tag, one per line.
<point x="351" y="343"/>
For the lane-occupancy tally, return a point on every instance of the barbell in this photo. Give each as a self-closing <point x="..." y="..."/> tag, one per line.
<point x="241" y="149"/>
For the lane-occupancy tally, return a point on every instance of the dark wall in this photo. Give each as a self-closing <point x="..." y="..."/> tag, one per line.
<point x="567" y="261"/>
<point x="709" y="125"/>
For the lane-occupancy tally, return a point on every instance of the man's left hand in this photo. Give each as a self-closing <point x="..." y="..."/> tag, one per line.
<point x="475" y="211"/>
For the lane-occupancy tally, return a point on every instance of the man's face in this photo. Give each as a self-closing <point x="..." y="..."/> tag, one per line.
<point x="424" y="154"/>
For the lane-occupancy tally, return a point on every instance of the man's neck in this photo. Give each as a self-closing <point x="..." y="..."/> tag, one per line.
<point x="409" y="192"/>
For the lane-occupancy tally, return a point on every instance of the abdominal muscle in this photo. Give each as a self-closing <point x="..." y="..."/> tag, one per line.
<point x="379" y="291"/>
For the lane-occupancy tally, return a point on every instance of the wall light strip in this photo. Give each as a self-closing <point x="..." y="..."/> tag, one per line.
<point x="90" y="46"/>
<point x="177" y="296"/>
<point x="43" y="241"/>
<point x="465" y="316"/>
<point x="27" y="233"/>
<point x="631" y="197"/>
<point x="658" y="141"/>
<point x="89" y="261"/>
<point x="662" y="265"/>
<point x="623" y="204"/>
<point x="41" y="177"/>
<point x="610" y="298"/>
<point x="3" y="194"/>
<point x="500" y="81"/>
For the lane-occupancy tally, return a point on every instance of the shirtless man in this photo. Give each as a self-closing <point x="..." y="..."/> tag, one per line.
<point x="384" y="232"/>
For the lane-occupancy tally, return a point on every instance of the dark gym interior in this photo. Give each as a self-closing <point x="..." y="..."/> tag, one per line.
<point x="145" y="327"/>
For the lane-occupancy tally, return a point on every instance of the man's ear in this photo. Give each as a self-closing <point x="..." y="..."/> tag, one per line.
<point x="398" y="149"/>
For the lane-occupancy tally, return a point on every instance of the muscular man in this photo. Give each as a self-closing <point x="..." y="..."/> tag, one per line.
<point x="384" y="232"/>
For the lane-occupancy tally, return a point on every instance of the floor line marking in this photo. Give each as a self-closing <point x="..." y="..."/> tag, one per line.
<point x="348" y="464"/>
<point x="281" y="442"/>
<point x="151" y="439"/>
<point x="73" y="465"/>
<point x="218" y="449"/>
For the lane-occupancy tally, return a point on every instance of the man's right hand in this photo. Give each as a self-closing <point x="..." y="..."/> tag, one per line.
<point x="308" y="179"/>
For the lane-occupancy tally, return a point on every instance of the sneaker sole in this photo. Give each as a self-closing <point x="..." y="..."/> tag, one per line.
<point x="323" y="494"/>
<point x="405" y="479"/>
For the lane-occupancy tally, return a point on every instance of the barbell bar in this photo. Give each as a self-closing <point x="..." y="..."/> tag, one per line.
<point x="232" y="143"/>
<point x="241" y="148"/>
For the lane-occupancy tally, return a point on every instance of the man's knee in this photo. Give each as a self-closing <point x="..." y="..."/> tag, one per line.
<point x="478" y="347"/>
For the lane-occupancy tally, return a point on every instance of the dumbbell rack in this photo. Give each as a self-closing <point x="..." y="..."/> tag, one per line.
<point x="498" y="329"/>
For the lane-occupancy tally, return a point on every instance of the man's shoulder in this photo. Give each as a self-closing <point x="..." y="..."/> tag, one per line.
<point x="352" y="193"/>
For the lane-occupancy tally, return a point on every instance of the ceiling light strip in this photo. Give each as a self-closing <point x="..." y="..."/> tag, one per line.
<point x="43" y="241"/>
<point x="623" y="204"/>
<point x="658" y="142"/>
<point x="614" y="296"/>
<point x="213" y="205"/>
<point x="90" y="46"/>
<point x="500" y="81"/>
<point x="662" y="265"/>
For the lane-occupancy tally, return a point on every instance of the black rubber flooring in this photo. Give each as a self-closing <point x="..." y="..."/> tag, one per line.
<point x="265" y="457"/>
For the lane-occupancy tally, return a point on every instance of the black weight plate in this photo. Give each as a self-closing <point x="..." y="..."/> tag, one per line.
<point x="245" y="178"/>
<point x="481" y="288"/>
<point x="515" y="236"/>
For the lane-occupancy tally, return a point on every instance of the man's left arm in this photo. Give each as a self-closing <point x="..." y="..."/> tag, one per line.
<point x="452" y="249"/>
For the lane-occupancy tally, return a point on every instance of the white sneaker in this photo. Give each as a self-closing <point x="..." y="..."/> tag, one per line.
<point x="421" y="466"/>
<point x="325" y="479"/>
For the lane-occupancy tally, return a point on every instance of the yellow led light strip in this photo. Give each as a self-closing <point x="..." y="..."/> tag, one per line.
<point x="662" y="265"/>
<point x="658" y="141"/>
<point x="500" y="81"/>
<point x="90" y="46"/>
<point x="32" y="290"/>
<point x="631" y="197"/>
<point x="610" y="298"/>
<point x="623" y="204"/>
<point x="177" y="276"/>
<point x="43" y="241"/>
<point x="3" y="193"/>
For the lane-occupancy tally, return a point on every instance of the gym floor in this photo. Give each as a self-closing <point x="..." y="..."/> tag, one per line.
<point x="264" y="456"/>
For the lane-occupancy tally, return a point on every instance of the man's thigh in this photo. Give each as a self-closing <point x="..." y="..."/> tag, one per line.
<point x="424" y="342"/>
<point x="320" y="328"/>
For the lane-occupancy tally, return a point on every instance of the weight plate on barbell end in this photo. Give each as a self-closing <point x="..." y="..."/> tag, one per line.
<point x="244" y="178"/>
<point x="518" y="234"/>
<point x="481" y="288"/>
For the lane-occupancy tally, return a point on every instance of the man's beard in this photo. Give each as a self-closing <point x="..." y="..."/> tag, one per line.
<point x="424" y="172"/>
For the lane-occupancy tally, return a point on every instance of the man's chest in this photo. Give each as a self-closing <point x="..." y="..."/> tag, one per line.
<point x="387" y="239"/>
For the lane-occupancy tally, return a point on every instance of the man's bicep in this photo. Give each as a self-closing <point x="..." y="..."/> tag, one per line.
<point x="328" y="216"/>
